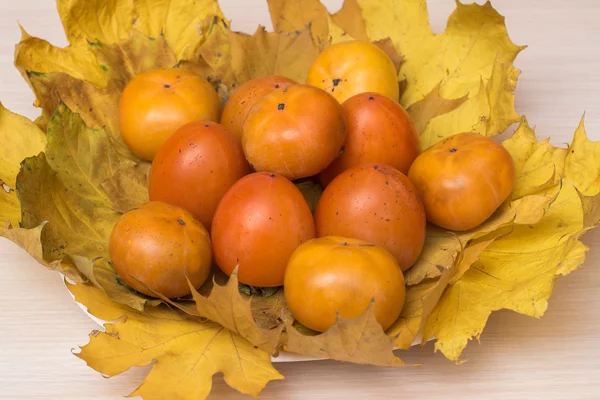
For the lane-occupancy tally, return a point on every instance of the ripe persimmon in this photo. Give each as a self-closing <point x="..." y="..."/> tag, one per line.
<point x="242" y="100"/>
<point x="352" y="67"/>
<point x="259" y="223"/>
<point x="332" y="275"/>
<point x="378" y="204"/>
<point x="156" y="103"/>
<point x="157" y="247"/>
<point x="462" y="180"/>
<point x="295" y="131"/>
<point x="195" y="167"/>
<point x="378" y="130"/>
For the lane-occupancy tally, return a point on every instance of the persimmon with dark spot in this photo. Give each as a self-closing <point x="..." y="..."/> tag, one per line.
<point x="378" y="204"/>
<point x="242" y="100"/>
<point x="157" y="247"/>
<point x="156" y="103"/>
<point x="463" y="180"/>
<point x="352" y="67"/>
<point x="295" y="131"/>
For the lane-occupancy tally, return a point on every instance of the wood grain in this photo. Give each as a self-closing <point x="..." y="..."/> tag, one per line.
<point x="557" y="357"/>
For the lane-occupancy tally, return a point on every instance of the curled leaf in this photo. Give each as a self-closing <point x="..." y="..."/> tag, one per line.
<point x="359" y="340"/>
<point x="226" y="306"/>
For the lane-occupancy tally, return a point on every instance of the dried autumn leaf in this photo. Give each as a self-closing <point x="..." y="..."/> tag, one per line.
<point x="183" y="24"/>
<point x="128" y="187"/>
<point x="226" y="306"/>
<point x="30" y="241"/>
<point x="268" y="53"/>
<point x="19" y="138"/>
<point x="345" y="23"/>
<point x="10" y="209"/>
<point x="582" y="168"/>
<point x="295" y="16"/>
<point x="186" y="353"/>
<point x="359" y="340"/>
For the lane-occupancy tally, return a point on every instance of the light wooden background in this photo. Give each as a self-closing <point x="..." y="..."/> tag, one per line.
<point x="557" y="357"/>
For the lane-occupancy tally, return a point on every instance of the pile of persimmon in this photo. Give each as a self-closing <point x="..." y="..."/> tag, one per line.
<point x="223" y="185"/>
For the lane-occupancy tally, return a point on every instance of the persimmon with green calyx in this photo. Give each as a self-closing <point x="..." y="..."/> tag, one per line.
<point x="157" y="247"/>
<point x="334" y="274"/>
<point x="259" y="223"/>
<point x="463" y="180"/>
<point x="156" y="103"/>
<point x="242" y="100"/>
<point x="378" y="204"/>
<point x="349" y="68"/>
<point x="295" y="131"/>
<point x="195" y="167"/>
<point x="378" y="129"/>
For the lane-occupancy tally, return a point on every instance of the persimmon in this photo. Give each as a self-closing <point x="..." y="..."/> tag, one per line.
<point x="242" y="100"/>
<point x="378" y="204"/>
<point x="157" y="247"/>
<point x="156" y="103"/>
<point x="349" y="68"/>
<point x="332" y="275"/>
<point x="378" y="130"/>
<point x="259" y="223"/>
<point x="195" y="167"/>
<point x="295" y="131"/>
<point x="462" y="180"/>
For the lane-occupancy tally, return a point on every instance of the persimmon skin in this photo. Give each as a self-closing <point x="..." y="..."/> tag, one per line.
<point x="295" y="131"/>
<point x="463" y="180"/>
<point x="378" y="130"/>
<point x="259" y="223"/>
<point x="335" y="274"/>
<point x="378" y="204"/>
<point x="349" y="68"/>
<point x="160" y="245"/>
<point x="242" y="100"/>
<point x="156" y="103"/>
<point x="195" y="167"/>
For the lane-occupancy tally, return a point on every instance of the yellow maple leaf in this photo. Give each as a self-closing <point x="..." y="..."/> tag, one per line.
<point x="19" y="139"/>
<point x="291" y="16"/>
<point x="186" y="353"/>
<point x="423" y="296"/>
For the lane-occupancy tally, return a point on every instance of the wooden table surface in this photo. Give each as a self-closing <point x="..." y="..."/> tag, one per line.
<point x="557" y="357"/>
